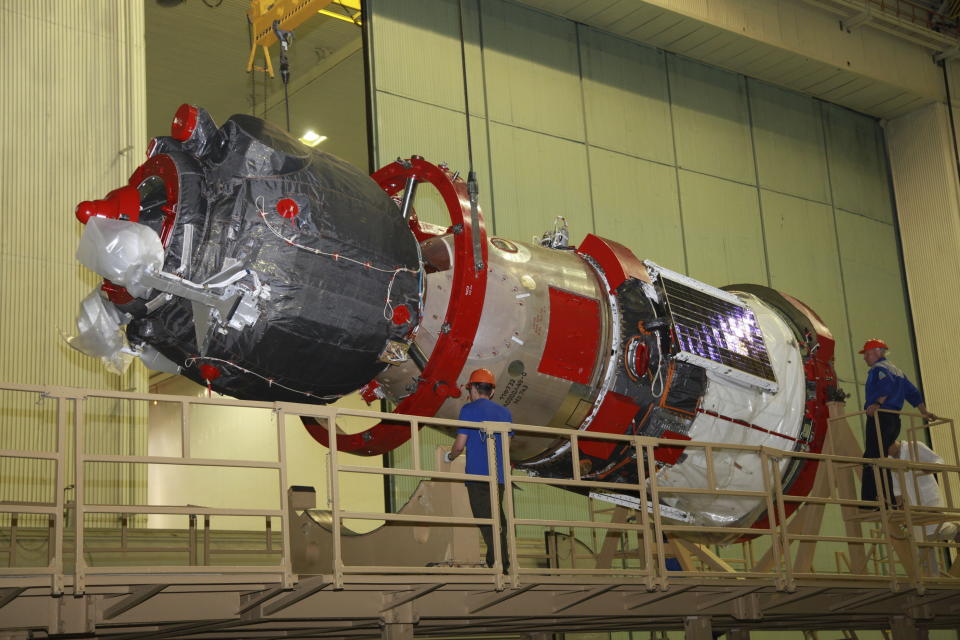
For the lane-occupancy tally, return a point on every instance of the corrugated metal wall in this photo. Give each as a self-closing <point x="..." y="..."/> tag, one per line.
<point x="924" y="171"/>
<point x="707" y="172"/>
<point x="72" y="127"/>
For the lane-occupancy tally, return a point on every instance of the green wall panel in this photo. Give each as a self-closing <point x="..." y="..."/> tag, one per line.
<point x="875" y="300"/>
<point x="532" y="70"/>
<point x="403" y="31"/>
<point x="539" y="177"/>
<point x="660" y="153"/>
<point x="788" y="138"/>
<point x="636" y="203"/>
<point x="721" y="222"/>
<point x="804" y="263"/>
<point x="625" y="96"/>
<point x="408" y="127"/>
<point x="858" y="166"/>
<point x="711" y="120"/>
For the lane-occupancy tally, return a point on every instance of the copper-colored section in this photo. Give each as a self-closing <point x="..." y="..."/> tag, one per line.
<point x="418" y="573"/>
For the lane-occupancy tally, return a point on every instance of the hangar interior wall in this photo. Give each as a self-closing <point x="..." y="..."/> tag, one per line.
<point x="924" y="168"/>
<point x="710" y="173"/>
<point x="73" y="127"/>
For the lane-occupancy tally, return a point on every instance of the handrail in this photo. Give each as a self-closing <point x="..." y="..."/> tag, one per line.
<point x="646" y="559"/>
<point x="75" y="431"/>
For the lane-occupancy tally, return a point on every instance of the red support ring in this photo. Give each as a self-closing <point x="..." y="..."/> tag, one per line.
<point x="468" y="289"/>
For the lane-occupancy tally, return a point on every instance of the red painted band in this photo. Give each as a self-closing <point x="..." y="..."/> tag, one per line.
<point x="467" y="292"/>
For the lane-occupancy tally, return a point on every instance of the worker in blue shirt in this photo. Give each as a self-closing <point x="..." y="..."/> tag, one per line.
<point x="886" y="388"/>
<point x="482" y="409"/>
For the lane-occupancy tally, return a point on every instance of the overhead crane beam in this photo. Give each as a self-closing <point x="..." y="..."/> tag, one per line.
<point x="288" y="15"/>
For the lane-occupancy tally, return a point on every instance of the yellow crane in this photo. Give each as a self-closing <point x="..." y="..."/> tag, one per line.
<point x="289" y="14"/>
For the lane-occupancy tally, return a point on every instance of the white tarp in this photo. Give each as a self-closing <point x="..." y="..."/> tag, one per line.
<point x="121" y="251"/>
<point x="99" y="332"/>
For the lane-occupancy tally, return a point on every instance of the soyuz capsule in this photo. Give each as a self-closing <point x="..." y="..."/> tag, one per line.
<point x="281" y="273"/>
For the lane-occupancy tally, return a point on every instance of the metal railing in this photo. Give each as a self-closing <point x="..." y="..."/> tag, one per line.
<point x="70" y="446"/>
<point x="645" y="539"/>
<point x="650" y="529"/>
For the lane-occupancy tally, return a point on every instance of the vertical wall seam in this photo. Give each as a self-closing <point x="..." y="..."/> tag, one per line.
<point x="756" y="178"/>
<point x="486" y="119"/>
<point x="676" y="161"/>
<point x="586" y="128"/>
<point x="369" y="70"/>
<point x="836" y="239"/>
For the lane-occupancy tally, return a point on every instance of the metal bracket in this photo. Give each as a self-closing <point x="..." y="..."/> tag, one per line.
<point x="946" y="54"/>
<point x="305" y="589"/>
<point x="207" y="304"/>
<point x="857" y="20"/>
<point x="137" y="596"/>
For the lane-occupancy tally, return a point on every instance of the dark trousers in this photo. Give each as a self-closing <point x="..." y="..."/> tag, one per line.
<point x="889" y="432"/>
<point x="479" y="493"/>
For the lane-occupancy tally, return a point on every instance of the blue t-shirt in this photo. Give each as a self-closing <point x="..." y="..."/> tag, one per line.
<point x="885" y="380"/>
<point x="483" y="410"/>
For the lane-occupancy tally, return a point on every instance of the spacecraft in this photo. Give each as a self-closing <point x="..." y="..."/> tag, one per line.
<point x="270" y="271"/>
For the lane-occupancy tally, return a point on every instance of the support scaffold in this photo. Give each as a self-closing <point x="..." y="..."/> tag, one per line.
<point x="80" y="556"/>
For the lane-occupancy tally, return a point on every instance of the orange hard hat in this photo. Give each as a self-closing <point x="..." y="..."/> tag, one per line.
<point x="874" y="343"/>
<point x="483" y="376"/>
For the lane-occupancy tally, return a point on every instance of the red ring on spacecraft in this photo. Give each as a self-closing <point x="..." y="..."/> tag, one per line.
<point x="163" y="167"/>
<point x="468" y="289"/>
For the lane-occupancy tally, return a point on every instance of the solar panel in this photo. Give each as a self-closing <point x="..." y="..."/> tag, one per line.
<point x="714" y="329"/>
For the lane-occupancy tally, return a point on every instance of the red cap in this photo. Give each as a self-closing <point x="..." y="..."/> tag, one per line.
<point x="874" y="343"/>
<point x="184" y="122"/>
<point x="287" y="207"/>
<point x="209" y="372"/>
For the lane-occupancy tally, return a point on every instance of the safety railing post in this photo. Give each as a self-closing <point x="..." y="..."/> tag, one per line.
<point x="60" y="498"/>
<point x="334" y="493"/>
<point x="415" y="444"/>
<point x="286" y="562"/>
<point x="657" y="521"/>
<point x="79" y="498"/>
<point x="779" y="536"/>
<point x="508" y="512"/>
<point x="645" y="531"/>
<point x="495" y="498"/>
<point x="879" y="475"/>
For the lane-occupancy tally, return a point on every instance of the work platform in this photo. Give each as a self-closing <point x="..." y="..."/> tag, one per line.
<point x="829" y="566"/>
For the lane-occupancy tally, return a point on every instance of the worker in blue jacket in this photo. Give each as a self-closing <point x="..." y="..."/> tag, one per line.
<point x="482" y="409"/>
<point x="886" y="388"/>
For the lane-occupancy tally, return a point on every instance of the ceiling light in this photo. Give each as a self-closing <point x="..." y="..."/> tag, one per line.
<point x="311" y="138"/>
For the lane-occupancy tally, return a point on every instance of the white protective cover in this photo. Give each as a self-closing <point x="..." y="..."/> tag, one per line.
<point x="120" y="251"/>
<point x="780" y="413"/>
<point x="99" y="333"/>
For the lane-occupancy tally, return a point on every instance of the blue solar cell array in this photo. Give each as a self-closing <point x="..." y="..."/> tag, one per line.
<point x="717" y="330"/>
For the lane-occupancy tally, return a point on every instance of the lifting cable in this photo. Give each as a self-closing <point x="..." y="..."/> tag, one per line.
<point x="284" y="38"/>
<point x="472" y="188"/>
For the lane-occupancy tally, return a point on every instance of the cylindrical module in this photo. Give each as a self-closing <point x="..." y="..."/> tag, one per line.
<point x="269" y="271"/>
<point x="661" y="355"/>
